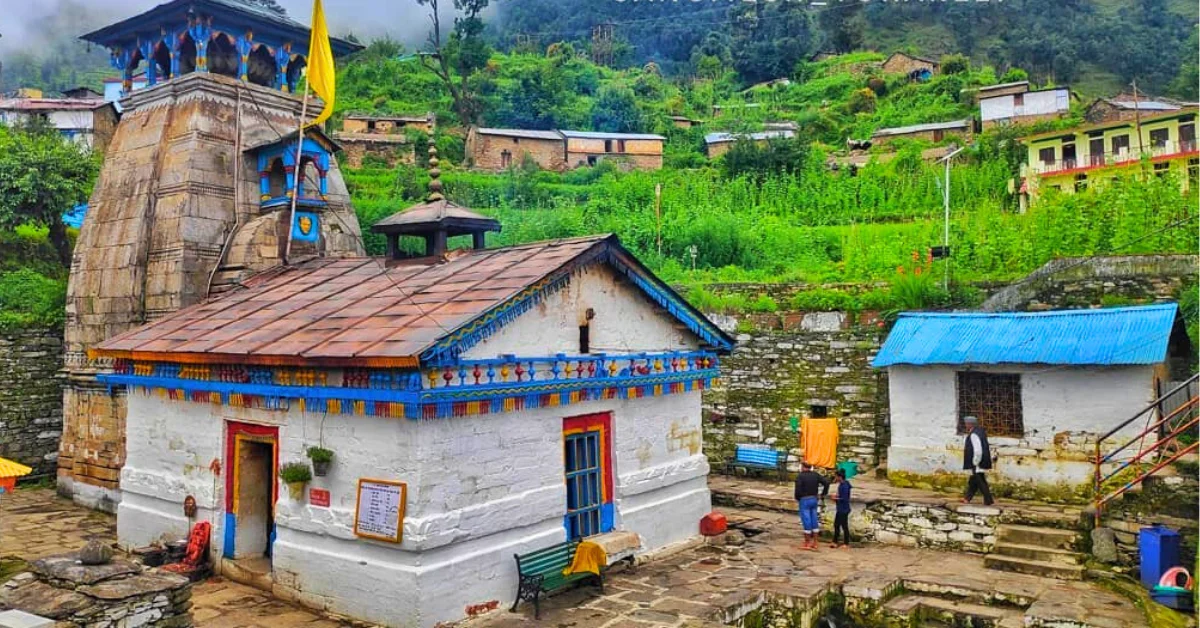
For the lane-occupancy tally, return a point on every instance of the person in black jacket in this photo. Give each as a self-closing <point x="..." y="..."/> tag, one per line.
<point x="808" y="484"/>
<point x="977" y="457"/>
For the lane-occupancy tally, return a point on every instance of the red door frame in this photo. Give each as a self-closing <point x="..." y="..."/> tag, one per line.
<point x="236" y="432"/>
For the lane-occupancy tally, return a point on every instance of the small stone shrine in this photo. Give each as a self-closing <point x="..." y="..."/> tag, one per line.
<point x="117" y="593"/>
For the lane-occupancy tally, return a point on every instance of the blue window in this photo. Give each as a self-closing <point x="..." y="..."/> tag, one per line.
<point x="584" y="484"/>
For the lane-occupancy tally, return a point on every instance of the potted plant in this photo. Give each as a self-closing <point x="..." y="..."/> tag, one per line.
<point x="321" y="459"/>
<point x="295" y="475"/>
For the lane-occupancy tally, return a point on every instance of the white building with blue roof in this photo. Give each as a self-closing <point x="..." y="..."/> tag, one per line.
<point x="1045" y="386"/>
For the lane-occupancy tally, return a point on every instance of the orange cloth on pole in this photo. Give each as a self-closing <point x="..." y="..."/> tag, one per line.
<point x="819" y="440"/>
<point x="589" y="557"/>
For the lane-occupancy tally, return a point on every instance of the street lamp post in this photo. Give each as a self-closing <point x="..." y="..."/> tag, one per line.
<point x="946" y="210"/>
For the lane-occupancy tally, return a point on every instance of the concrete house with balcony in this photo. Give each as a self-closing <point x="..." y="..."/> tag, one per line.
<point x="1088" y="155"/>
<point x="479" y="403"/>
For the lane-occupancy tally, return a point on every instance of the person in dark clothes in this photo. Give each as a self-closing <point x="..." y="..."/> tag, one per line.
<point x="810" y="484"/>
<point x="977" y="458"/>
<point x="841" y="516"/>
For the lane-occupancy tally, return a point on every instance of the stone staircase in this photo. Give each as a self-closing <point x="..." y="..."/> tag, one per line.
<point x="1046" y="552"/>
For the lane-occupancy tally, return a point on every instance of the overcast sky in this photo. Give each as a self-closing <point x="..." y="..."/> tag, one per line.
<point x="22" y="21"/>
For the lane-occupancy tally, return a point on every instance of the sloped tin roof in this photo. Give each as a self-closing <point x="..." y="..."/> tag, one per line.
<point x="1103" y="337"/>
<point x="368" y="312"/>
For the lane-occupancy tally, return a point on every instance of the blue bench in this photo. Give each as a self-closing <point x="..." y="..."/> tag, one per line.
<point x="757" y="458"/>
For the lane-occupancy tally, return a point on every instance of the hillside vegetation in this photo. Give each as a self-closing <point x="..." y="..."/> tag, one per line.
<point x="770" y="215"/>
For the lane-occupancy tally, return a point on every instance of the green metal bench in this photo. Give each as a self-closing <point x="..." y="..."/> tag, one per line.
<point x="541" y="572"/>
<point x="759" y="459"/>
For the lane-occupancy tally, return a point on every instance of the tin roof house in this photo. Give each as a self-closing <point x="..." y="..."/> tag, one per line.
<point x="479" y="403"/>
<point x="1044" y="385"/>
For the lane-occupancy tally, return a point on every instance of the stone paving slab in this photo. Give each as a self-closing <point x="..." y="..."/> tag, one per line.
<point x="710" y="584"/>
<point x="698" y="588"/>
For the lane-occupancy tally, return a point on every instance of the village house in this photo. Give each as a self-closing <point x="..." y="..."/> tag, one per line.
<point x="389" y="125"/>
<point x="641" y="151"/>
<point x="931" y="132"/>
<point x="500" y="149"/>
<point x="87" y="121"/>
<point x="1128" y="107"/>
<point x="1088" y="155"/>
<point x="717" y="144"/>
<point x="917" y="68"/>
<point x="1000" y="89"/>
<point x="1015" y="103"/>
<point x="478" y="404"/>
<point x="684" y="122"/>
<point x="1044" y="385"/>
<point x="381" y="137"/>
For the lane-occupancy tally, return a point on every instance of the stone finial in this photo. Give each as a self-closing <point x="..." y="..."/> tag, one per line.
<point x="435" y="184"/>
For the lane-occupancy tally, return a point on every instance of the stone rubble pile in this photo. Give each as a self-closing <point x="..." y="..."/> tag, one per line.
<point x="119" y="594"/>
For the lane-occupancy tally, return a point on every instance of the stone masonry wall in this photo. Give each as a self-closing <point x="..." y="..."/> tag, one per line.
<point x="792" y="365"/>
<point x="31" y="401"/>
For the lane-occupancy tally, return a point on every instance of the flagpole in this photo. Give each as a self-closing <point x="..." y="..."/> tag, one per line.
<point x="299" y="172"/>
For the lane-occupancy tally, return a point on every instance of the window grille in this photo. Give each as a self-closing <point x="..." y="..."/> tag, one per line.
<point x="993" y="398"/>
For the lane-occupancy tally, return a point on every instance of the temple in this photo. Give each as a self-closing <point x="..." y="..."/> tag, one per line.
<point x="227" y="37"/>
<point x="194" y="197"/>
<point x="475" y="403"/>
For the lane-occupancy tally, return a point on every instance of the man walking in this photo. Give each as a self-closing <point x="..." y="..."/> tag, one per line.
<point x="977" y="457"/>
<point x="808" y="484"/>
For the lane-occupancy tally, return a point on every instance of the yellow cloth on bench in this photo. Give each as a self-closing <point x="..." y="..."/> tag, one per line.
<point x="589" y="557"/>
<point x="819" y="440"/>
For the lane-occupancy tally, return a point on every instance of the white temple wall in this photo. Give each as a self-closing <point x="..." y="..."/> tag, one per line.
<point x="625" y="321"/>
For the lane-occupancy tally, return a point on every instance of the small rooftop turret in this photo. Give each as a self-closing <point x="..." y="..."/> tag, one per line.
<point x="436" y="220"/>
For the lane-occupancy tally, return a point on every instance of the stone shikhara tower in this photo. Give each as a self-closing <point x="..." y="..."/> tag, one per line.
<point x="193" y="197"/>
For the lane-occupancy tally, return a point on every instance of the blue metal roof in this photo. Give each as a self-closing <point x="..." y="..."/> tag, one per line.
<point x="1109" y="336"/>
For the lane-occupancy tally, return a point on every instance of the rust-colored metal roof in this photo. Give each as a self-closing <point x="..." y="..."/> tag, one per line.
<point x="362" y="311"/>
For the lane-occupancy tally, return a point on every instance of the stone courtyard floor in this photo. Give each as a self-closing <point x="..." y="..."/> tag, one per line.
<point x="699" y="587"/>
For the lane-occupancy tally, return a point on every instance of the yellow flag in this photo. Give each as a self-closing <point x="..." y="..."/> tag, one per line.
<point x="320" y="63"/>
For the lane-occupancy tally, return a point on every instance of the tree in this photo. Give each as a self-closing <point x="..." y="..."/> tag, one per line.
<point x="616" y="111"/>
<point x="842" y="26"/>
<point x="41" y="176"/>
<point x="770" y="39"/>
<point x="955" y="64"/>
<point x="457" y="61"/>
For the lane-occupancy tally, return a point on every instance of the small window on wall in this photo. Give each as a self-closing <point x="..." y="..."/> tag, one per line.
<point x="1159" y="137"/>
<point x="818" y="412"/>
<point x="1120" y="144"/>
<point x="1162" y="169"/>
<point x="1193" y="171"/>
<point x="1046" y="155"/>
<point x="1080" y="182"/>
<point x="994" y="399"/>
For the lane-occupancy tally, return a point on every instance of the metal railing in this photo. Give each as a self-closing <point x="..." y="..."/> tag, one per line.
<point x="1165" y="430"/>
<point x="1110" y="158"/>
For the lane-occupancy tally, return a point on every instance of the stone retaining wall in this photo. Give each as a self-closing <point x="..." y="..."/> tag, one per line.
<point x="797" y="364"/>
<point x="967" y="528"/>
<point x="31" y="398"/>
